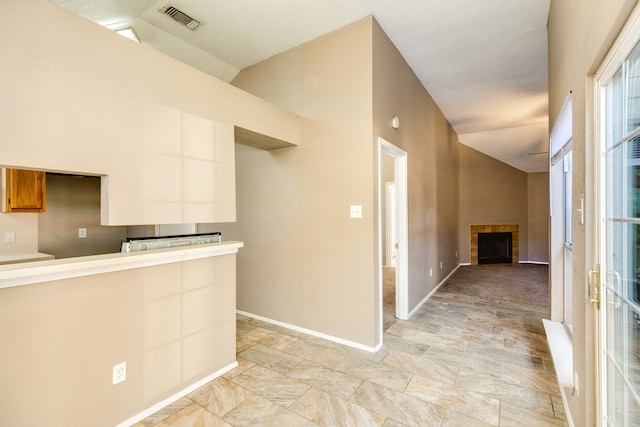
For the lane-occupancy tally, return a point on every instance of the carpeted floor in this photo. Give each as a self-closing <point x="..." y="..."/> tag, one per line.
<point x="524" y="283"/>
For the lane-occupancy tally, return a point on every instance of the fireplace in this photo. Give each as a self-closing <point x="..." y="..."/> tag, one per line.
<point x="495" y="248"/>
<point x="495" y="244"/>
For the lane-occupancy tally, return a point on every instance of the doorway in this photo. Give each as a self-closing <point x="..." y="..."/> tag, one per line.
<point x="396" y="208"/>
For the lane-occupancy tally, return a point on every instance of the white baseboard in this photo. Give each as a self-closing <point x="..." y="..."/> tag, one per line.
<point x="312" y="332"/>
<point x="169" y="400"/>
<point x="425" y="299"/>
<point x="535" y="262"/>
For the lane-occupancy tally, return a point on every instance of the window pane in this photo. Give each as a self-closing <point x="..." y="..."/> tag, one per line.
<point x="633" y="177"/>
<point x="613" y="106"/>
<point x="633" y="90"/>
<point x="614" y="183"/>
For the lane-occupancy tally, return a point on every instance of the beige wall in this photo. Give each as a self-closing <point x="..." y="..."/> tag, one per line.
<point x="491" y="192"/>
<point x="74" y="202"/>
<point x="305" y="262"/>
<point x="538" y="212"/>
<point x="432" y="157"/>
<point x="580" y="34"/>
<point x="173" y="325"/>
<point x="86" y="100"/>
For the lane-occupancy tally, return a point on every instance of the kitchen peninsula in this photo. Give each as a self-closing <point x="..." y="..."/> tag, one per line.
<point x="169" y="314"/>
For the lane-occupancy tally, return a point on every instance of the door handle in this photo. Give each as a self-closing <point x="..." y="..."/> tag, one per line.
<point x="594" y="286"/>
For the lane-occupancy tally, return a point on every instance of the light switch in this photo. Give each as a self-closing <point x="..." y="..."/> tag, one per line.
<point x="356" y="211"/>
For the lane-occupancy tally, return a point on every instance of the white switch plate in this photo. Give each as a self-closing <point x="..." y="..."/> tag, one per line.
<point x="10" y="237"/>
<point x="119" y="373"/>
<point x="82" y="233"/>
<point x="355" y="211"/>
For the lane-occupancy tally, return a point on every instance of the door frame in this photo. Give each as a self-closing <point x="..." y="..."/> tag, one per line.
<point x="402" y="213"/>
<point x="629" y="36"/>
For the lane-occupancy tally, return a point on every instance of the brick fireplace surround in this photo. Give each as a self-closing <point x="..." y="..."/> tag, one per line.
<point x="496" y="228"/>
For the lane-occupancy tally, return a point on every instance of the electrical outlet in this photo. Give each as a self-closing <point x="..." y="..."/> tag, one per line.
<point x="431" y="272"/>
<point x="10" y="237"/>
<point x="119" y="373"/>
<point x="355" y="211"/>
<point x="82" y="233"/>
<point x="440" y="265"/>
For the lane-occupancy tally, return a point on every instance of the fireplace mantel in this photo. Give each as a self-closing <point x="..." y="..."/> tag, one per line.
<point x="495" y="228"/>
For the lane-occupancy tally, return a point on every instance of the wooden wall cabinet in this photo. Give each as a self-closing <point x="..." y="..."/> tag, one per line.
<point x="24" y="190"/>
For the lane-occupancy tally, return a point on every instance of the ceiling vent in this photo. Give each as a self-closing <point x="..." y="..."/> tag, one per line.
<point x="181" y="17"/>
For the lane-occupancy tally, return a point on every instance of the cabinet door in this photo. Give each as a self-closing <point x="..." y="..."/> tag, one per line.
<point x="25" y="190"/>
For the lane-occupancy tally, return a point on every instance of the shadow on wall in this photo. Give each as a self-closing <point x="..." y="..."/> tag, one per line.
<point x="73" y="203"/>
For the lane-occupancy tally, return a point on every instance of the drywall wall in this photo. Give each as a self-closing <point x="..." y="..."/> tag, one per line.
<point x="491" y="192"/>
<point x="173" y="325"/>
<point x="305" y="261"/>
<point x="580" y="34"/>
<point x="88" y="101"/>
<point x="432" y="162"/>
<point x="538" y="213"/>
<point x="73" y="202"/>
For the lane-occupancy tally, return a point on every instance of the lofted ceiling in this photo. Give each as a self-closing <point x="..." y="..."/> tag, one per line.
<point x="483" y="62"/>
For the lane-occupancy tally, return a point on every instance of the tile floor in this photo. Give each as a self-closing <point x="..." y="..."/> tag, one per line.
<point x="459" y="361"/>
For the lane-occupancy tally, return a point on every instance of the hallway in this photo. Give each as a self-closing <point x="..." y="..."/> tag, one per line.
<point x="474" y="355"/>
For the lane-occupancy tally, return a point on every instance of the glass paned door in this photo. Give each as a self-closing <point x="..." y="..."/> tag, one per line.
<point x="620" y="256"/>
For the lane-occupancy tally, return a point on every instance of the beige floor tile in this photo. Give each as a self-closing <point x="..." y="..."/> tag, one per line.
<point x="192" y="415"/>
<point x="438" y="371"/>
<point x="506" y="356"/>
<point x="336" y="383"/>
<point x="514" y="416"/>
<point x="324" y="409"/>
<point x="163" y="413"/>
<point x="271" y="385"/>
<point x="430" y="339"/>
<point x="243" y="365"/>
<point x="270" y="358"/>
<point x="270" y="338"/>
<point x="465" y="361"/>
<point x="316" y="352"/>
<point x="533" y="379"/>
<point x="220" y="396"/>
<point x="258" y="411"/>
<point x="454" y="419"/>
<point x="401" y="407"/>
<point x="383" y="375"/>
<point x="398" y="344"/>
<point x="471" y="404"/>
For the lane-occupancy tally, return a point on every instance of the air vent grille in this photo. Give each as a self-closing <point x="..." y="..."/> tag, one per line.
<point x="181" y="17"/>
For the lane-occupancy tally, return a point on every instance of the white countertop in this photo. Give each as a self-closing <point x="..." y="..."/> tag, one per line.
<point x="27" y="273"/>
<point x="24" y="257"/>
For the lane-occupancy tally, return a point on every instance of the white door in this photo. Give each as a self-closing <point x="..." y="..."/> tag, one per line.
<point x="391" y="227"/>
<point x="618" y="102"/>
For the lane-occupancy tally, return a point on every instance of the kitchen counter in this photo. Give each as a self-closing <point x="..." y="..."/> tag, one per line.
<point x="24" y="257"/>
<point x="27" y="273"/>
